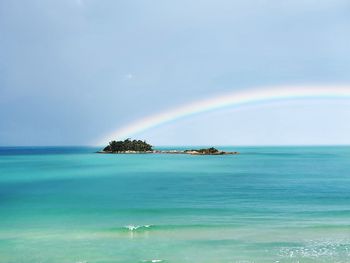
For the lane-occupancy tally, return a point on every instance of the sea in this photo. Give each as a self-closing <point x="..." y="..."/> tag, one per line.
<point x="266" y="204"/>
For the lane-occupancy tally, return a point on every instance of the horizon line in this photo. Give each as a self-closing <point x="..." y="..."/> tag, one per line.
<point x="184" y="145"/>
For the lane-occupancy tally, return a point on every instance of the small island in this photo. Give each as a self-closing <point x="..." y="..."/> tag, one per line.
<point x="128" y="146"/>
<point x="137" y="146"/>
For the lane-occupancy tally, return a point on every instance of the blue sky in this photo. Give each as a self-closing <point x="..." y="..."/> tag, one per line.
<point x="73" y="70"/>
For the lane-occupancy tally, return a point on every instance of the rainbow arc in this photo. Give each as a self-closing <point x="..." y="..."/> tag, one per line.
<point x="232" y="99"/>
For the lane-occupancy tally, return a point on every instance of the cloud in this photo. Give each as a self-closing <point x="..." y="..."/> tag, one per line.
<point x="129" y="76"/>
<point x="79" y="2"/>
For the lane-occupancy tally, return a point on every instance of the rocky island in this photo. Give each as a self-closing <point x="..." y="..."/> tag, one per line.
<point x="137" y="146"/>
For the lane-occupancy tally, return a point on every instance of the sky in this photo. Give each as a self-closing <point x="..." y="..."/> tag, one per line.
<point x="74" y="70"/>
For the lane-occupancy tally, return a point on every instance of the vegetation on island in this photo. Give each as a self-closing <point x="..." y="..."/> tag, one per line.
<point x="128" y="145"/>
<point x="211" y="150"/>
<point x="138" y="146"/>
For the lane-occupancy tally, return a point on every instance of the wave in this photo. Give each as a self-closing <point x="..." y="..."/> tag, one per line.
<point x="151" y="227"/>
<point x="137" y="227"/>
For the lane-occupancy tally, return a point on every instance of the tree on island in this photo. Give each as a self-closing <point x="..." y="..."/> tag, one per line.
<point x="211" y="150"/>
<point x="128" y="145"/>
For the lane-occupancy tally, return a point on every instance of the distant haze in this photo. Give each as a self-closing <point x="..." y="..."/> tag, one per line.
<point x="73" y="70"/>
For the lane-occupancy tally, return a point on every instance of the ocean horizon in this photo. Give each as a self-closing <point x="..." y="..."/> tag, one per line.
<point x="267" y="204"/>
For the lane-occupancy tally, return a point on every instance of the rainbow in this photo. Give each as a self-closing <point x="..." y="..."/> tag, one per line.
<point x="232" y="99"/>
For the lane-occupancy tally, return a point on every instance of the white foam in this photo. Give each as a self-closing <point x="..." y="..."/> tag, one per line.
<point x="319" y="249"/>
<point x="135" y="227"/>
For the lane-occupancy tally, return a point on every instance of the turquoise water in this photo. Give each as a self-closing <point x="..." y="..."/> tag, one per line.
<point x="282" y="204"/>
